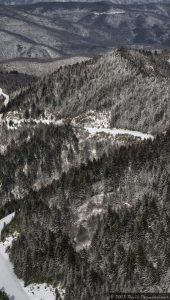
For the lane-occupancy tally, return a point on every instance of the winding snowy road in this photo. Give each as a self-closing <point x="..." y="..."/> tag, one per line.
<point x="8" y="280"/>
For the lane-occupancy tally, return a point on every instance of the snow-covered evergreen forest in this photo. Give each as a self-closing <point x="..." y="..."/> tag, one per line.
<point x="85" y="175"/>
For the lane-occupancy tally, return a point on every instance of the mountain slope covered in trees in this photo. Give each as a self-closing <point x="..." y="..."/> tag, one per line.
<point x="130" y="221"/>
<point x="91" y="202"/>
<point x="133" y="85"/>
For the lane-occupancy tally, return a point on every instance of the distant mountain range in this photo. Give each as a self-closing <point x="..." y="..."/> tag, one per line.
<point x="14" y="2"/>
<point x="50" y="31"/>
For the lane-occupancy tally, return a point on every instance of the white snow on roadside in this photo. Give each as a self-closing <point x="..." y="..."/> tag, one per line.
<point x="97" y="122"/>
<point x="9" y="281"/>
<point x="19" y="122"/>
<point x="93" y="119"/>
<point x="115" y="131"/>
<point x="48" y="121"/>
<point x="5" y="96"/>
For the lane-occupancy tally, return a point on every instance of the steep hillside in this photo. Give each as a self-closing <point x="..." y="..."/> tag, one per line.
<point x="105" y="234"/>
<point x="85" y="166"/>
<point x="131" y="86"/>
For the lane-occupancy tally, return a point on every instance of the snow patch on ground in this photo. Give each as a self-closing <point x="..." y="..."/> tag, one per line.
<point x="5" y="96"/>
<point x="6" y="220"/>
<point x="84" y="214"/>
<point x="127" y="204"/>
<point x="61" y="291"/>
<point x="84" y="245"/>
<point x="40" y="291"/>
<point x="7" y="243"/>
